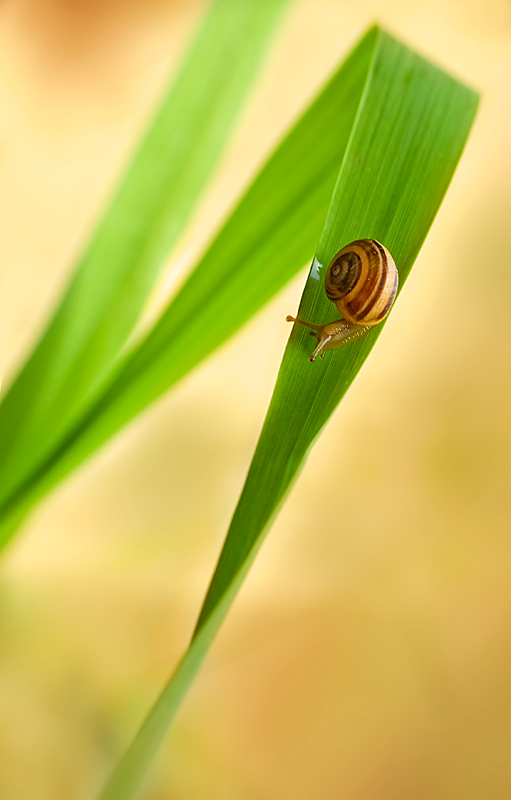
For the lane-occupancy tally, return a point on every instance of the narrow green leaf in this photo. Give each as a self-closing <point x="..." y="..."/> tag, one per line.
<point x="409" y="132"/>
<point x="270" y="236"/>
<point x="147" y="214"/>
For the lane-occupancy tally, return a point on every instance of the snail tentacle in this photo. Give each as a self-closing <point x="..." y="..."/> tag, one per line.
<point x="312" y="325"/>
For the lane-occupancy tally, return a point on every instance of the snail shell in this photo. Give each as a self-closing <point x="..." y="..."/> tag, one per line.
<point x="362" y="282"/>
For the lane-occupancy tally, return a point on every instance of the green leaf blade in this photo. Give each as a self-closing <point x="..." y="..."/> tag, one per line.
<point x="408" y="137"/>
<point x="152" y="205"/>
<point x="390" y="186"/>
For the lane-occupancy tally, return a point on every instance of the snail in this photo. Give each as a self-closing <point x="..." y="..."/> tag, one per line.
<point x="362" y="282"/>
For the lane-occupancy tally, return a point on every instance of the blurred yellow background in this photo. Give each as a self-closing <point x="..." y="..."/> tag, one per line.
<point x="369" y="652"/>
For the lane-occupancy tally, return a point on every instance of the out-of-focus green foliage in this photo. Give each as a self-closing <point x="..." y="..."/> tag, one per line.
<point x="167" y="176"/>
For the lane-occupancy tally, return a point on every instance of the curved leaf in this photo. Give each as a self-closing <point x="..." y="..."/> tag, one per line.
<point x="410" y="128"/>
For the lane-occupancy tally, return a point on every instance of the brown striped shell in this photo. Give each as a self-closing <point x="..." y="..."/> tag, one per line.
<point x="362" y="282"/>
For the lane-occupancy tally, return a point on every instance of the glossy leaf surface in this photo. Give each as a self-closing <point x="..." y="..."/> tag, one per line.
<point x="410" y="123"/>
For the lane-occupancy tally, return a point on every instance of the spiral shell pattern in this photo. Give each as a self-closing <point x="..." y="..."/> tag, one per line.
<point x="362" y="281"/>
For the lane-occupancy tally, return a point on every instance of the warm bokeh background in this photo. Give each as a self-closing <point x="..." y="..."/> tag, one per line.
<point x="368" y="655"/>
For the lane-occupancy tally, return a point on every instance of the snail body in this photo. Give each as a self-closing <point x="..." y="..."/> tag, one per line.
<point x="362" y="281"/>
